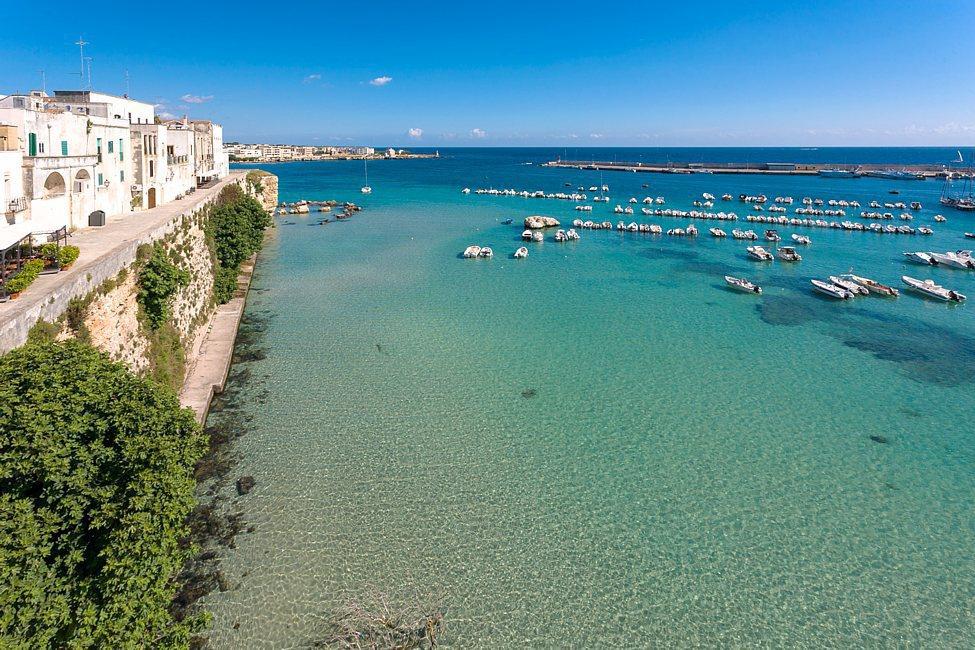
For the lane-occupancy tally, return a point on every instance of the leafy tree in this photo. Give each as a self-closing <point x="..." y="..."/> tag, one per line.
<point x="159" y="279"/>
<point x="236" y="225"/>
<point x="95" y="488"/>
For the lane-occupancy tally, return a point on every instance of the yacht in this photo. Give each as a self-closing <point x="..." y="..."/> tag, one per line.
<point x="959" y="260"/>
<point x="741" y="284"/>
<point x="486" y="253"/>
<point x="788" y="254"/>
<point x="932" y="290"/>
<point x="801" y="239"/>
<point x="849" y="285"/>
<point x="521" y="253"/>
<point x="365" y="189"/>
<point x="871" y="285"/>
<point x="717" y="232"/>
<point x="920" y="258"/>
<point x="759" y="253"/>
<point x="831" y="290"/>
<point x="472" y="251"/>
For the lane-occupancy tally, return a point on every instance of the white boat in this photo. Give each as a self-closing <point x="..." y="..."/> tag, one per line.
<point x="772" y="235"/>
<point x="970" y="235"/>
<point x="801" y="239"/>
<point x="932" y="290"/>
<point x="486" y="252"/>
<point x="717" y="232"/>
<point x="954" y="260"/>
<point x="521" y="253"/>
<point x="849" y="285"/>
<point x="560" y="236"/>
<point x="831" y="290"/>
<point x="365" y="189"/>
<point x="741" y="284"/>
<point x="691" y="230"/>
<point x="788" y="254"/>
<point x="466" y="190"/>
<point x="537" y="237"/>
<point x="759" y="253"/>
<point x="871" y="285"/>
<point x="572" y="235"/>
<point x="920" y="258"/>
<point x="527" y="235"/>
<point x="939" y="218"/>
<point x="472" y="251"/>
<point x="618" y="209"/>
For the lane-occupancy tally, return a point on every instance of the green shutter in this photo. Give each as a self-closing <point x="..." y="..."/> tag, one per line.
<point x="111" y="146"/>
<point x="100" y="180"/>
<point x="120" y="149"/>
<point x="64" y="147"/>
<point x="32" y="144"/>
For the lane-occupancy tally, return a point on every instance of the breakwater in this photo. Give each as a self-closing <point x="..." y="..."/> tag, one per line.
<point x="773" y="168"/>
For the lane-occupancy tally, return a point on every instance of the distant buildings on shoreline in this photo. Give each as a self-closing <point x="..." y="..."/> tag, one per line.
<point x="77" y="157"/>
<point x="240" y="152"/>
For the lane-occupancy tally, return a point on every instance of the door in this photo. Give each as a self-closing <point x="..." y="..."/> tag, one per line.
<point x="32" y="144"/>
<point x="152" y="197"/>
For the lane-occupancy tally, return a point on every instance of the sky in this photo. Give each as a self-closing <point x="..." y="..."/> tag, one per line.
<point x="502" y="73"/>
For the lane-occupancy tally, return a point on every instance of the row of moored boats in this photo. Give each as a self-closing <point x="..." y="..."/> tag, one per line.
<point x="848" y="286"/>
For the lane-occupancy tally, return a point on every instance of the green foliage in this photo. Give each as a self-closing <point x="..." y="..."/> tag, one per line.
<point x="159" y="279"/>
<point x="49" y="251"/>
<point x="95" y="487"/>
<point x="28" y="273"/>
<point x="68" y="254"/>
<point x="255" y="178"/>
<point x="167" y="358"/>
<point x="42" y="331"/>
<point x="236" y="227"/>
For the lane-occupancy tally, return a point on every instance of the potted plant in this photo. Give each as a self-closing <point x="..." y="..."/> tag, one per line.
<point x="24" y="278"/>
<point x="67" y="256"/>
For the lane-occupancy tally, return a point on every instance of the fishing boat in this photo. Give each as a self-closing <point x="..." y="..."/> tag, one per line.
<point x="759" y="253"/>
<point x="801" y="239"/>
<point x="788" y="254"/>
<point x="931" y="290"/>
<point x="849" y="285"/>
<point x="741" y="284"/>
<point x="365" y="189"/>
<point x="920" y="258"/>
<point x="472" y="251"/>
<point x="871" y="285"/>
<point x="521" y="253"/>
<point x="717" y="232"/>
<point x="831" y="290"/>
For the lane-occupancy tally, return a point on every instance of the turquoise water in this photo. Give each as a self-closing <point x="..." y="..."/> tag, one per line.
<point x="694" y="466"/>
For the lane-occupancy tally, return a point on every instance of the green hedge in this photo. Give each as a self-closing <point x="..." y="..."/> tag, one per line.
<point x="25" y="277"/>
<point x="95" y="487"/>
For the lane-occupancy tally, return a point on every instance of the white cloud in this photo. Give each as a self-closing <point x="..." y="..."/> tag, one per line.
<point x="380" y="81"/>
<point x="478" y="133"/>
<point x="595" y="136"/>
<point x="196" y="99"/>
<point x="416" y="133"/>
<point x="166" y="116"/>
<point x="312" y="77"/>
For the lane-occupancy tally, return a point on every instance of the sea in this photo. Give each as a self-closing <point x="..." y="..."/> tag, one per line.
<point x="600" y="445"/>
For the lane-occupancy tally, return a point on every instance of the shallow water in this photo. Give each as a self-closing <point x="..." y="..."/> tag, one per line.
<point x="601" y="445"/>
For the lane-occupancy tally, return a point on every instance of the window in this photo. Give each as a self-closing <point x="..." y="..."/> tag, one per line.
<point x="121" y="176"/>
<point x="111" y="146"/>
<point x="120" y="157"/>
<point x="98" y="145"/>
<point x="40" y="147"/>
<point x="152" y="169"/>
<point x="101" y="180"/>
<point x="64" y="147"/>
<point x="32" y="144"/>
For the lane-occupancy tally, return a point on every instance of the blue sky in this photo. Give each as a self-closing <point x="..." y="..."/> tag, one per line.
<point x="507" y="73"/>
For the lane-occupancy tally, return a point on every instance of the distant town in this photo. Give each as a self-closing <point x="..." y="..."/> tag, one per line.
<point x="241" y="152"/>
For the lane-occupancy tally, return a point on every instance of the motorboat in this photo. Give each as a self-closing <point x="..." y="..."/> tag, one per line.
<point x="959" y="260"/>
<point x="915" y="205"/>
<point x="466" y="190"/>
<point x="486" y="253"/>
<point x="788" y="254"/>
<point x="871" y="285"/>
<point x="939" y="218"/>
<point x="921" y="258"/>
<point x="521" y="253"/>
<point x="924" y="230"/>
<point x="691" y="230"/>
<point x="676" y="232"/>
<point x="849" y="285"/>
<point x="527" y="235"/>
<point x="801" y="239"/>
<point x="537" y="237"/>
<point x="508" y="222"/>
<point x="572" y="235"/>
<point x="717" y="232"/>
<point x="930" y="289"/>
<point x="618" y="209"/>
<point x="560" y="236"/>
<point x="760" y="253"/>
<point x="772" y="235"/>
<point x="970" y="235"/>
<point x="741" y="284"/>
<point x="472" y="251"/>
<point x="831" y="290"/>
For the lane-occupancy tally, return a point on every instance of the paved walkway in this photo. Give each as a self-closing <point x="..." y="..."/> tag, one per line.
<point x="104" y="252"/>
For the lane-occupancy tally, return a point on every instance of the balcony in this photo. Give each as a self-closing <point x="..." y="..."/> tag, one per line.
<point x="177" y="160"/>
<point x="17" y="205"/>
<point x="59" y="162"/>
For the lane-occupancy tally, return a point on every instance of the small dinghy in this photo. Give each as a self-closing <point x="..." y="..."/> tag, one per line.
<point x="472" y="251"/>
<point x="849" y="285"/>
<point x="931" y="290"/>
<point x="831" y="290"/>
<point x="872" y="285"/>
<point x="527" y="235"/>
<point x="759" y="253"/>
<point x="741" y="284"/>
<point x="521" y="253"/>
<point x="508" y="222"/>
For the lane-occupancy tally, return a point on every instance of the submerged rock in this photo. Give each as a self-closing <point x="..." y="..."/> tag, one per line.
<point x="245" y="484"/>
<point x="879" y="439"/>
<point x="529" y="393"/>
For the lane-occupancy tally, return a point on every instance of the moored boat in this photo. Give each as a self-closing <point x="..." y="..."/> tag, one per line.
<point x="849" y="285"/>
<point x="472" y="251"/>
<point x="759" y="253"/>
<point x="521" y="253"/>
<point x="741" y="284"/>
<point x="788" y="254"/>
<point x="527" y="235"/>
<point x="831" y="290"/>
<point x="959" y="260"/>
<point x="871" y="285"/>
<point x="717" y="232"/>
<point x="801" y="239"/>
<point x="931" y="290"/>
<point x="920" y="257"/>
<point x="486" y="253"/>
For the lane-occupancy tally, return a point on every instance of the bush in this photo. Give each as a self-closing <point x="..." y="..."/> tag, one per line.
<point x="28" y="273"/>
<point x="158" y="281"/>
<point x="49" y="251"/>
<point x="236" y="227"/>
<point x="68" y="254"/>
<point x="95" y="488"/>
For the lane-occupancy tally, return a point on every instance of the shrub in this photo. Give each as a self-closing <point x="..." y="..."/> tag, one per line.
<point x="95" y="487"/>
<point x="158" y="281"/>
<point x="49" y="251"/>
<point x="28" y="273"/>
<point x="67" y="255"/>
<point x="236" y="227"/>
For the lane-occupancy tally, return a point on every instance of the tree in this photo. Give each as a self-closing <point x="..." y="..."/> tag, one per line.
<point x="95" y="487"/>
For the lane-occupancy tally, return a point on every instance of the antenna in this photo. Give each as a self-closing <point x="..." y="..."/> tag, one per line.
<point x="88" y="61"/>
<point x="81" y="43"/>
<point x="43" y="82"/>
<point x="127" y="89"/>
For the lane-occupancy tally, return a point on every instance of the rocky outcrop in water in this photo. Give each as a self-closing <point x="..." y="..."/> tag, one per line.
<point x="535" y="222"/>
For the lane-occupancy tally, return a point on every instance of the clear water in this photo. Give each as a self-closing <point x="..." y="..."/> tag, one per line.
<point x="695" y="467"/>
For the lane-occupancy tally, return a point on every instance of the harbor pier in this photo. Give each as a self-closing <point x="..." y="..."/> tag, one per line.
<point x="771" y="168"/>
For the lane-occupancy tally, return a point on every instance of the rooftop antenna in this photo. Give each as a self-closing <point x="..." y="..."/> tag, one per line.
<point x="81" y="43"/>
<point x="127" y="89"/>
<point x="43" y="82"/>
<point x="88" y="61"/>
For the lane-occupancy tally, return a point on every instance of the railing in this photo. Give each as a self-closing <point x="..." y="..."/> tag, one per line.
<point x="17" y="205"/>
<point x="177" y="160"/>
<point x="59" y="162"/>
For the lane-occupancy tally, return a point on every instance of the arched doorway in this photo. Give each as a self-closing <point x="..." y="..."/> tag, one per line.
<point x="81" y="181"/>
<point x="54" y="185"/>
<point x="152" y="197"/>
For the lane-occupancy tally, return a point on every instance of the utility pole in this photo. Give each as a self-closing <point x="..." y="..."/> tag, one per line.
<point x="81" y="43"/>
<point x="88" y="61"/>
